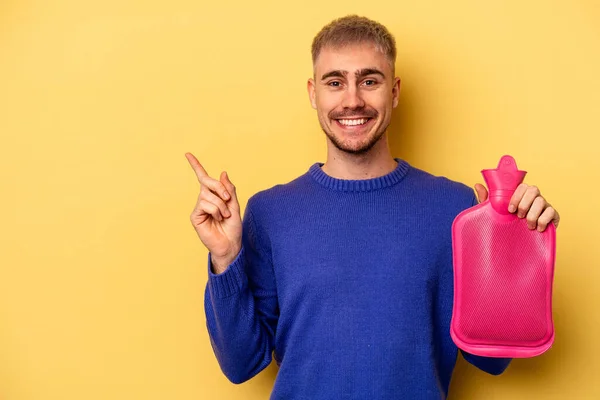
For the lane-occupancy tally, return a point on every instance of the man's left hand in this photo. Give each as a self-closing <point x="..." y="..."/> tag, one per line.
<point x="527" y="202"/>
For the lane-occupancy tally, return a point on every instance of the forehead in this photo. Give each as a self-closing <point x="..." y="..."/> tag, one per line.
<point x="351" y="58"/>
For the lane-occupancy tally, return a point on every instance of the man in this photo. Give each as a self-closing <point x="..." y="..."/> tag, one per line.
<point x="346" y="271"/>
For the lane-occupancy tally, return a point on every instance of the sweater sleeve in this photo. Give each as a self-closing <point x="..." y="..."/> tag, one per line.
<point x="491" y="365"/>
<point x="241" y="306"/>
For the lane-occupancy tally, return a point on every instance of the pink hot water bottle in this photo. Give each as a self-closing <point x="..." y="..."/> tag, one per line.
<point x="503" y="274"/>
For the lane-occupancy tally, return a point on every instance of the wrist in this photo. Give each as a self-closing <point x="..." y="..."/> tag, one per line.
<point x="219" y="264"/>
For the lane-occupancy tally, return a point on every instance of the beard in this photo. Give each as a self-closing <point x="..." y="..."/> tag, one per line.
<point x="362" y="148"/>
<point x="359" y="148"/>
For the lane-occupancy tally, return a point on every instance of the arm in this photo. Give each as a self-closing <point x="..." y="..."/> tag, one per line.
<point x="491" y="365"/>
<point x="443" y="315"/>
<point x="241" y="307"/>
<point x="446" y="349"/>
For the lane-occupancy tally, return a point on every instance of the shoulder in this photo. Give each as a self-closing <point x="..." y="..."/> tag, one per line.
<point x="276" y="196"/>
<point x="446" y="190"/>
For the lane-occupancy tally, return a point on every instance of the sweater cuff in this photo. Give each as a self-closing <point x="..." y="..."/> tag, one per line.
<point x="230" y="281"/>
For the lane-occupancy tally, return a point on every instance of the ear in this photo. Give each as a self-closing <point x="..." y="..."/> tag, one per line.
<point x="395" y="92"/>
<point x="310" y="86"/>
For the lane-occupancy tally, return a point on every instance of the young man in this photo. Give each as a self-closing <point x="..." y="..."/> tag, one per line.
<point x="346" y="271"/>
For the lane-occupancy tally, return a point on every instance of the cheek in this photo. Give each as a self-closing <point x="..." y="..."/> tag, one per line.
<point x="325" y="105"/>
<point x="382" y="104"/>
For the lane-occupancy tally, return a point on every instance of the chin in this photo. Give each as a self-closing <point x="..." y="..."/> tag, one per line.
<point x="357" y="145"/>
<point x="354" y="147"/>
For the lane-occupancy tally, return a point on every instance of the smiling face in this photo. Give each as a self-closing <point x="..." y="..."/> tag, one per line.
<point x="354" y="91"/>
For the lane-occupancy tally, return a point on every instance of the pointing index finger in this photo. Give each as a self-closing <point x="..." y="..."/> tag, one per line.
<point x="196" y="166"/>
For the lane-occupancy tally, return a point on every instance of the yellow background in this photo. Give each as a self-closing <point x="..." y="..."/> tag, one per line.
<point x="101" y="272"/>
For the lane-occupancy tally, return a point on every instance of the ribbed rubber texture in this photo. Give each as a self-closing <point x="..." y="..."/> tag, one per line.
<point x="503" y="274"/>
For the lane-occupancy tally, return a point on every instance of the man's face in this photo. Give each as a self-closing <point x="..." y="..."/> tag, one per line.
<point x="354" y="91"/>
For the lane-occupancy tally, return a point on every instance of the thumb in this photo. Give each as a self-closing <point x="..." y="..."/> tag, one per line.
<point x="482" y="193"/>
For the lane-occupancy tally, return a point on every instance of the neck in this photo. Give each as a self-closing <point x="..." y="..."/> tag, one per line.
<point x="377" y="162"/>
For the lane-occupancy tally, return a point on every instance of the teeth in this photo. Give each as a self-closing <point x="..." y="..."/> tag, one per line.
<point x="352" y="122"/>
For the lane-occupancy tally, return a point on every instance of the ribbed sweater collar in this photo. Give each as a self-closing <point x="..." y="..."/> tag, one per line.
<point x="359" y="185"/>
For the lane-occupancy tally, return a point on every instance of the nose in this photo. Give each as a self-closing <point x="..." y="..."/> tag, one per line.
<point x="352" y="99"/>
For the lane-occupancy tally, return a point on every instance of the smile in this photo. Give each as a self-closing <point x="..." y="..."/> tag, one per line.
<point x="353" y="122"/>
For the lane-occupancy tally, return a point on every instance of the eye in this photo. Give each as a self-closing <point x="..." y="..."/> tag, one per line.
<point x="334" y="84"/>
<point x="370" y="82"/>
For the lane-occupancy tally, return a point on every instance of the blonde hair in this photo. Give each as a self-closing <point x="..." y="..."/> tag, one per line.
<point x="353" y="29"/>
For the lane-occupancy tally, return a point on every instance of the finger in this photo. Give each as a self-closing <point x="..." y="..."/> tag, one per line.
<point x="209" y="196"/>
<point x="216" y="187"/>
<point x="538" y="206"/>
<point x="525" y="204"/>
<point x="517" y="197"/>
<point x="196" y="166"/>
<point x="198" y="215"/>
<point x="556" y="219"/>
<point x="549" y="215"/>
<point x="482" y="193"/>
<point x="231" y="189"/>
<point x="211" y="209"/>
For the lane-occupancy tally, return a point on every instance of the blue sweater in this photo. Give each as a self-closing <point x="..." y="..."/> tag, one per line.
<point x="348" y="283"/>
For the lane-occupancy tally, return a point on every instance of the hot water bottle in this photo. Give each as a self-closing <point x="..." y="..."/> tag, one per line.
<point x="503" y="275"/>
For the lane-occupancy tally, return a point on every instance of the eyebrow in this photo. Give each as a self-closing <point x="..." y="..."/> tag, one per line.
<point x="368" y="71"/>
<point x="359" y="74"/>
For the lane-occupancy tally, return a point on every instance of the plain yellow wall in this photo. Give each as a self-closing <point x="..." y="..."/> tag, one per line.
<point x="101" y="273"/>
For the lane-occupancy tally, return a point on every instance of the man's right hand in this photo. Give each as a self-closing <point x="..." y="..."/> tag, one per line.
<point x="216" y="217"/>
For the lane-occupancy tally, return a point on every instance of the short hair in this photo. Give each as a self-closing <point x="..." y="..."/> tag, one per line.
<point x="353" y="29"/>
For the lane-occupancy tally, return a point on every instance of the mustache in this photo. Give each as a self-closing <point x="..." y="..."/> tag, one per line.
<point x="359" y="112"/>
